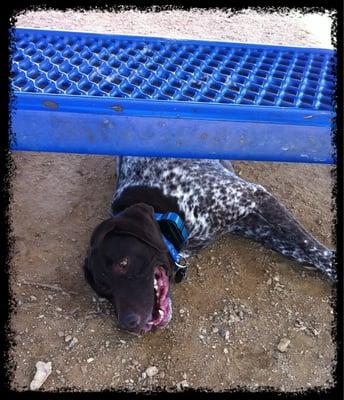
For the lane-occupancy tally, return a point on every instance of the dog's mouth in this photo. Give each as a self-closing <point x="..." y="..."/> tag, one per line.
<point x="162" y="309"/>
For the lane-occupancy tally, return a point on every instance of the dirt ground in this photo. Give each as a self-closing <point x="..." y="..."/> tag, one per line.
<point x="239" y="300"/>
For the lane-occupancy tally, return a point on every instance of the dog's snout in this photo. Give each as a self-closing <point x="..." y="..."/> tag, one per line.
<point x="130" y="322"/>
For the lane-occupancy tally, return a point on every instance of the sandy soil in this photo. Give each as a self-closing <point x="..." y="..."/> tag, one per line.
<point x="239" y="300"/>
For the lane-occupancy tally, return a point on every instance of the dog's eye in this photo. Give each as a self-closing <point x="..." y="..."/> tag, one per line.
<point x="122" y="264"/>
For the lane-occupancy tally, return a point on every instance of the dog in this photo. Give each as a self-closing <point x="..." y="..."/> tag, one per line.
<point x="167" y="209"/>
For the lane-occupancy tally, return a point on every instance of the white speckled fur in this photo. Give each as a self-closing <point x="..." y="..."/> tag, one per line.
<point x="216" y="201"/>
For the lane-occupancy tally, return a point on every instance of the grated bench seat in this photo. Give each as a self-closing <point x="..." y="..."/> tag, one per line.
<point x="136" y="95"/>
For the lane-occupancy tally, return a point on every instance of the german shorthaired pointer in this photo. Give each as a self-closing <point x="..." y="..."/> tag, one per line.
<point x="165" y="210"/>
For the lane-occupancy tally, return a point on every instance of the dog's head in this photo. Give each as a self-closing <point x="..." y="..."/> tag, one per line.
<point x="128" y="263"/>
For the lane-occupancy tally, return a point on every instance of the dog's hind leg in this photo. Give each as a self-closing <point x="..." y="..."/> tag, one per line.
<point x="272" y="224"/>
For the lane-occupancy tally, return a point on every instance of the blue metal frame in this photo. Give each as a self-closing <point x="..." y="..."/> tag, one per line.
<point x="124" y="125"/>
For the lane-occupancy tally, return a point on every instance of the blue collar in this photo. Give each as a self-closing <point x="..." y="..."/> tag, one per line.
<point x="173" y="227"/>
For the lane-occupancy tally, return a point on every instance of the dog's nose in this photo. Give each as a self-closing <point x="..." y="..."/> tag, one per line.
<point x="130" y="321"/>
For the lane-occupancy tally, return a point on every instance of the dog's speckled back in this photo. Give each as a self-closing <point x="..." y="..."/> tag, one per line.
<point x="215" y="201"/>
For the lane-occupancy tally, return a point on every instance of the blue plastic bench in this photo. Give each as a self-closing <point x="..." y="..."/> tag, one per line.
<point x="130" y="95"/>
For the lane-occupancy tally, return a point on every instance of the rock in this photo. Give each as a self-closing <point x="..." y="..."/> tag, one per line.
<point x="68" y="338"/>
<point x="151" y="371"/>
<point x="283" y="345"/>
<point x="89" y="360"/>
<point x="43" y="371"/>
<point x="222" y="332"/>
<point x="181" y="385"/>
<point x="73" y="342"/>
<point x="60" y="334"/>
<point x="33" y="298"/>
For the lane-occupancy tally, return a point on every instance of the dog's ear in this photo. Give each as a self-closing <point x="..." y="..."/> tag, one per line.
<point x="138" y="220"/>
<point x="101" y="231"/>
<point x="88" y="274"/>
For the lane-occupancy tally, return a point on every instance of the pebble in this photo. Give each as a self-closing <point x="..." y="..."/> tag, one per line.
<point x="225" y="350"/>
<point x="68" y="338"/>
<point x="182" y="384"/>
<point x="227" y="335"/>
<point x="151" y="371"/>
<point x="84" y="369"/>
<point x="283" y="345"/>
<point x="215" y="330"/>
<point x="73" y="342"/>
<point x="60" y="334"/>
<point x="89" y="360"/>
<point x="33" y="298"/>
<point x="222" y="332"/>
